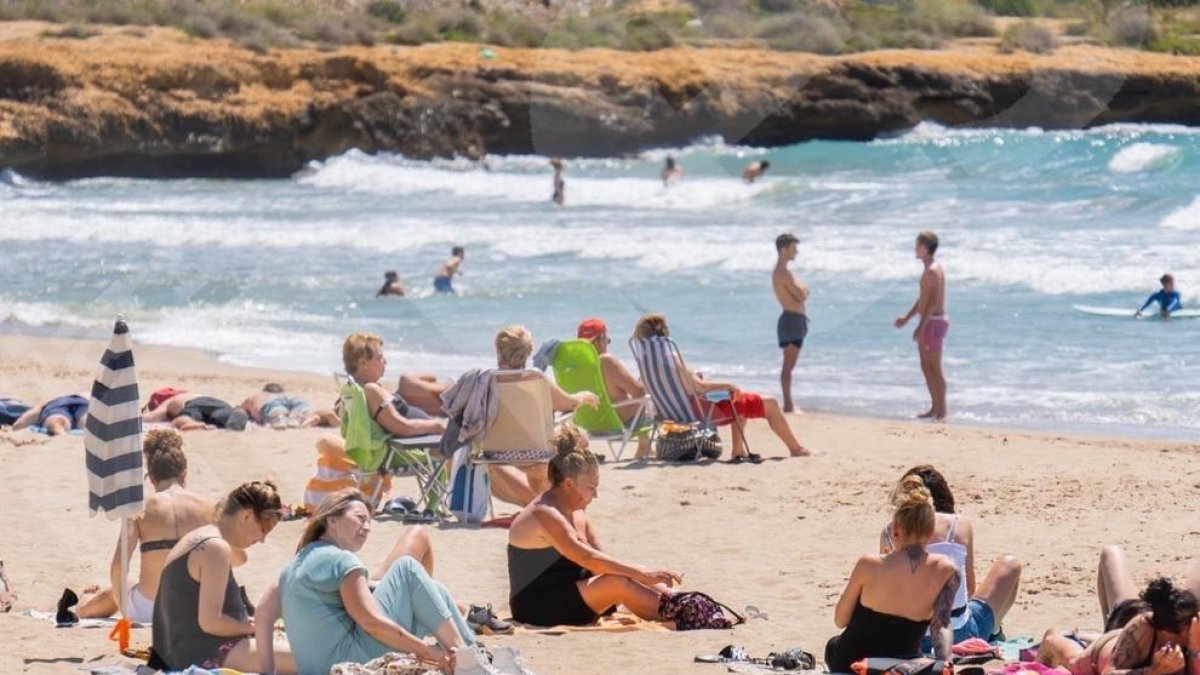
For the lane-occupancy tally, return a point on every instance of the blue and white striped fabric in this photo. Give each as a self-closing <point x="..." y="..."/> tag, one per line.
<point x="657" y="362"/>
<point x="113" y="438"/>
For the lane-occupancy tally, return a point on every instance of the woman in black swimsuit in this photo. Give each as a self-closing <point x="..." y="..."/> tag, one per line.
<point x="558" y="574"/>
<point x="891" y="599"/>
<point x="199" y="616"/>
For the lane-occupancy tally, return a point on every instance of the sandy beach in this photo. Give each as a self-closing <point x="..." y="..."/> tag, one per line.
<point x="781" y="536"/>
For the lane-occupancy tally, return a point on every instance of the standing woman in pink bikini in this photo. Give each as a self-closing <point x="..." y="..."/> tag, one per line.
<point x="931" y="331"/>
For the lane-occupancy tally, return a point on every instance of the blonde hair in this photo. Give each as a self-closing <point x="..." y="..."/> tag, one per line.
<point x="914" y="514"/>
<point x="163" y="449"/>
<point x="514" y="344"/>
<point x="335" y="504"/>
<point x="571" y="456"/>
<point x="360" y="347"/>
<point x="651" y="325"/>
<point x="260" y="496"/>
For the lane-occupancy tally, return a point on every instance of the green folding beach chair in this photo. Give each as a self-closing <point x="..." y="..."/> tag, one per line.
<point x="577" y="368"/>
<point x="391" y="455"/>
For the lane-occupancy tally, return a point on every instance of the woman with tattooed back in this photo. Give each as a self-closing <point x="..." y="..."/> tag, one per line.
<point x="892" y="599"/>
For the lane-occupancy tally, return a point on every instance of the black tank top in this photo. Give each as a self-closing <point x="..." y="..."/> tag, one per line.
<point x="533" y="571"/>
<point x="177" y="638"/>
<point x="872" y="633"/>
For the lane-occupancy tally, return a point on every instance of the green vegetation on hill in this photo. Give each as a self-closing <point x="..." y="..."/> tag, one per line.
<point x="820" y="26"/>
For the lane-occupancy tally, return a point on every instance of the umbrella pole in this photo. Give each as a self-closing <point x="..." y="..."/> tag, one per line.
<point x="120" y="632"/>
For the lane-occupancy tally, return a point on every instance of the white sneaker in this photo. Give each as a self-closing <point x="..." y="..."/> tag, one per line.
<point x="472" y="661"/>
<point x="508" y="661"/>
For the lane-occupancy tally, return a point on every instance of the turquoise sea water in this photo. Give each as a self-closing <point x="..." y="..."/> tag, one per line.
<point x="275" y="273"/>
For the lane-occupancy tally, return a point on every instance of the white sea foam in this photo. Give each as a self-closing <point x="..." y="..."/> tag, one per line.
<point x="1184" y="218"/>
<point x="1142" y="156"/>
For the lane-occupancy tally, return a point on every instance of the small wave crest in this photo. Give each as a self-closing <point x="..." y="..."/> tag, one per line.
<point x="1184" y="218"/>
<point x="1142" y="156"/>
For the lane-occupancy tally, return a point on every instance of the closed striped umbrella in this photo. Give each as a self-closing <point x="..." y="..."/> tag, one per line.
<point x="113" y="438"/>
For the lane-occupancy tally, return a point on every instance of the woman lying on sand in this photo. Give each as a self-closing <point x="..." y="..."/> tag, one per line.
<point x="890" y="600"/>
<point x="1151" y="632"/>
<point x="199" y="616"/>
<point x="334" y="612"/>
<point x="557" y="572"/>
<point x="56" y="416"/>
<point x="171" y="512"/>
<point x="748" y="404"/>
<point x="978" y="610"/>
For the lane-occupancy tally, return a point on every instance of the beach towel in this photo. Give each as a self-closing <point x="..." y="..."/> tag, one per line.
<point x="617" y="622"/>
<point x="1028" y="668"/>
<point x="392" y="663"/>
<point x="471" y="403"/>
<point x="83" y="623"/>
<point x="46" y="432"/>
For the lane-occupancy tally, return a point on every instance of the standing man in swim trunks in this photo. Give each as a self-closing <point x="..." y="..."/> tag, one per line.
<point x="442" y="282"/>
<point x="793" y="323"/>
<point x="933" y="326"/>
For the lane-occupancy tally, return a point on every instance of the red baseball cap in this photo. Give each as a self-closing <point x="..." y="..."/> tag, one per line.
<point x="157" y="398"/>
<point x="590" y="328"/>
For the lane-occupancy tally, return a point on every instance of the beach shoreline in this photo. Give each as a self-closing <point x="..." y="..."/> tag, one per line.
<point x="781" y="536"/>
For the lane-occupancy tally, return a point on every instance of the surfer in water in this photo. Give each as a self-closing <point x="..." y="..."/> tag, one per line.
<point x="933" y="326"/>
<point x="792" y="327"/>
<point x="442" y="282"/>
<point x="1167" y="298"/>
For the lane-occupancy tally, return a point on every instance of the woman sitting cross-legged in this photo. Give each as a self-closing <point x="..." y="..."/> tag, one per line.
<point x="557" y="572"/>
<point x="892" y="599"/>
<point x="199" y="617"/>
<point x="335" y="613"/>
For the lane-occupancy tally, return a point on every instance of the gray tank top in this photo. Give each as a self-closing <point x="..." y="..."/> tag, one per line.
<point x="176" y="635"/>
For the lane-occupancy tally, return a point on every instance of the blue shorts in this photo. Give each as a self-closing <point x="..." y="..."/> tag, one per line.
<point x="442" y="285"/>
<point x="282" y="406"/>
<point x="74" y="408"/>
<point x="981" y="623"/>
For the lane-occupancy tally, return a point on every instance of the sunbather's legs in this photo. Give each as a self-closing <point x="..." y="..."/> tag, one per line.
<point x="414" y="542"/>
<point x="185" y="423"/>
<point x="511" y="485"/>
<point x="100" y="605"/>
<point x="1056" y="650"/>
<point x="737" y="431"/>
<point x="782" y="429"/>
<point x="1114" y="583"/>
<point x="1193" y="578"/>
<point x="999" y="587"/>
<point x="608" y="590"/>
<point x="244" y="657"/>
<point x="58" y="424"/>
<point x="321" y="418"/>
<point x="424" y="391"/>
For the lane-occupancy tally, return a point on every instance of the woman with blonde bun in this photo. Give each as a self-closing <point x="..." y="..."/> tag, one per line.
<point x="891" y="599"/>
<point x="558" y="574"/>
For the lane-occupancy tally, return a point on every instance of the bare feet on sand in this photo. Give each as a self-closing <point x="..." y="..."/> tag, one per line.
<point x="802" y="452"/>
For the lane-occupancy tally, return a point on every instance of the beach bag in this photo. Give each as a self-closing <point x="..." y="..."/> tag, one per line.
<point x="684" y="442"/>
<point x="697" y="611"/>
<point x="462" y="474"/>
<point x="921" y="666"/>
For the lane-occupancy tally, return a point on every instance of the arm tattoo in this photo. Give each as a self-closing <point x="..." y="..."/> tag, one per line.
<point x="1129" y="654"/>
<point x="939" y="626"/>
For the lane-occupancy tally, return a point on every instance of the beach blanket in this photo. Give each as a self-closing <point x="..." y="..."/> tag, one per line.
<point x="46" y="432"/>
<point x="1028" y="668"/>
<point x="617" y="622"/>
<point x="392" y="663"/>
<point x="83" y="623"/>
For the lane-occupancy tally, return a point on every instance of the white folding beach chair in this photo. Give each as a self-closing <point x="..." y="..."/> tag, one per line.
<point x="414" y="456"/>
<point x="675" y="398"/>
<point x="522" y="430"/>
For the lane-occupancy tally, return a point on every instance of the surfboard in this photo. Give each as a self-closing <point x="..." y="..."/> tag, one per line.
<point x="1126" y="313"/>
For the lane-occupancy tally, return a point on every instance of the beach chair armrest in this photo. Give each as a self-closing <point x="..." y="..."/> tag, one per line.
<point x="428" y="441"/>
<point x="632" y="402"/>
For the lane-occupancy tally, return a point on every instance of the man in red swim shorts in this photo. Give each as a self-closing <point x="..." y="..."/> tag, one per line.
<point x="930" y="333"/>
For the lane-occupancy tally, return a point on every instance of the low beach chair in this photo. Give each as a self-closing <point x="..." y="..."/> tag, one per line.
<point x="674" y="398"/>
<point x="396" y="456"/>
<point x="520" y="434"/>
<point x="577" y="368"/>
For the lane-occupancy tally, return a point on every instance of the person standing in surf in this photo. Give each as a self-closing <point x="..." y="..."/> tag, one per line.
<point x="671" y="172"/>
<point x="443" y="282"/>
<point x="560" y="185"/>
<point x="1168" y="298"/>
<point x="792" y="327"/>
<point x="931" y="330"/>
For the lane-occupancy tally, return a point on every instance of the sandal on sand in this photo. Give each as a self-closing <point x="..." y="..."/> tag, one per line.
<point x="748" y="457"/>
<point x="729" y="654"/>
<point x="792" y="659"/>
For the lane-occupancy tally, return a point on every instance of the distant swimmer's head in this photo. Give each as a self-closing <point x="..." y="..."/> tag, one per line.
<point x="391" y="276"/>
<point x="935" y="482"/>
<point x="670" y="163"/>
<point x="1168" y="282"/>
<point x="556" y="163"/>
<point x="458" y="251"/>
<point x="595" y="331"/>
<point x="1172" y="608"/>
<point x="763" y="166"/>
<point x="362" y="355"/>
<point x="273" y="388"/>
<point x="786" y="243"/>
<point x="165" y="460"/>
<point x="514" y="344"/>
<point x="914" y="518"/>
<point x="927" y="240"/>
<point x="651" y="326"/>
<point x="573" y="469"/>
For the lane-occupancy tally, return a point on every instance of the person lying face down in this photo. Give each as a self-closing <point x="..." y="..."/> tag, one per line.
<point x="187" y="412"/>
<point x="558" y="572"/>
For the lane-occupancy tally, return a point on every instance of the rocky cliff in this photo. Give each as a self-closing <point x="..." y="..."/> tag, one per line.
<point x="153" y="102"/>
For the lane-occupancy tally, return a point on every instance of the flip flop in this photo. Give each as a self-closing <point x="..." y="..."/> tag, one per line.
<point x="740" y="459"/>
<point x="728" y="654"/>
<point x="753" y="458"/>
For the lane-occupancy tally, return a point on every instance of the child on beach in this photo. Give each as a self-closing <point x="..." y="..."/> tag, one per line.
<point x="931" y="330"/>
